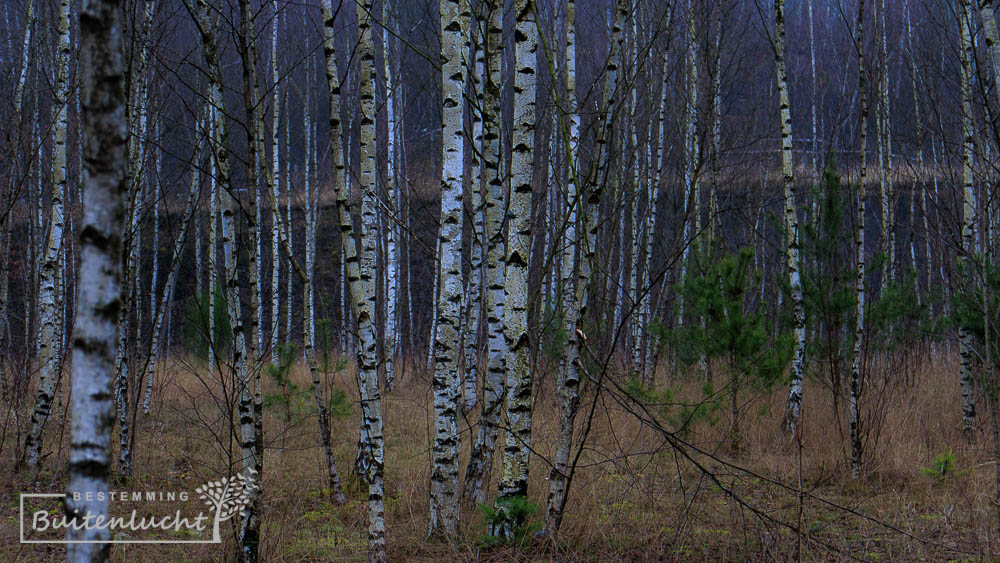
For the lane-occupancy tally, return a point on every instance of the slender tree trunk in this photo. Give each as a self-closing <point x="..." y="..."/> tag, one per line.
<point x="812" y="104"/>
<point x="859" y="241"/>
<point x="578" y="302"/>
<point x="361" y="273"/>
<point x="966" y="376"/>
<point x="514" y="480"/>
<point x="345" y="305"/>
<point x="18" y="122"/>
<point x="568" y="386"/>
<point x="131" y="296"/>
<point x="309" y="302"/>
<point x="213" y="245"/>
<point x="889" y="211"/>
<point x="391" y="337"/>
<point x="637" y="188"/>
<point x="654" y="187"/>
<point x="444" y="494"/>
<point x="791" y="222"/>
<point x="275" y="192"/>
<point x="470" y="391"/>
<point x="692" y="213"/>
<point x="250" y="533"/>
<point x="240" y="350"/>
<point x="155" y="314"/>
<point x="920" y="133"/>
<point x="308" y="297"/>
<point x="50" y="302"/>
<point x="22" y="74"/>
<point x="477" y="474"/>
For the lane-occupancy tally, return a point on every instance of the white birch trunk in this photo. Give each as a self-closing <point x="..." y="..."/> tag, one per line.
<point x="637" y="189"/>
<point x="859" y="241"/>
<point x="444" y="487"/>
<point x="94" y="333"/>
<point x="577" y="301"/>
<point x="49" y="300"/>
<point x="692" y="212"/>
<point x="22" y="74"/>
<point x="470" y="392"/>
<point x="654" y="192"/>
<point x="514" y="479"/>
<point x="791" y="223"/>
<point x="253" y="434"/>
<point x="240" y="350"/>
<point x="885" y="163"/>
<point x="812" y="99"/>
<point x="213" y="244"/>
<point x="275" y="191"/>
<point x="132" y="297"/>
<point x="966" y="343"/>
<point x="163" y="298"/>
<point x="155" y="314"/>
<point x="391" y="337"/>
<point x="477" y="474"/>
<point x="371" y="446"/>
<point x="308" y="301"/>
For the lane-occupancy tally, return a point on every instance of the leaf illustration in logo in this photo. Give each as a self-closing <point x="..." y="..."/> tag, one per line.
<point x="228" y="496"/>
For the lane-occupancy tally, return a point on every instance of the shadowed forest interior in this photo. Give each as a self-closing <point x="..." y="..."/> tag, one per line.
<point x="503" y="279"/>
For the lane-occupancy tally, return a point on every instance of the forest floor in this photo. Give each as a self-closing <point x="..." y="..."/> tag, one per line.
<point x="634" y="498"/>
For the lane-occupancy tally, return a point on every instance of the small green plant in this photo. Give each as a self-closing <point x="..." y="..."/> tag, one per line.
<point x="280" y="373"/>
<point x="727" y="330"/>
<point x="196" y="325"/>
<point x="340" y="406"/>
<point x="681" y="415"/>
<point x="945" y="464"/>
<point x="554" y="335"/>
<point x="508" y="521"/>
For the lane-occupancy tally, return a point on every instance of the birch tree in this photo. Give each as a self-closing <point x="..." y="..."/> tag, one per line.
<point x="965" y="337"/>
<point x="859" y="242"/>
<point x="275" y="191"/>
<point x="234" y="310"/>
<point x="692" y="214"/>
<point x="309" y="291"/>
<point x="791" y="221"/>
<point x="136" y="113"/>
<point x="577" y="303"/>
<point x="361" y="266"/>
<point x="391" y="337"/>
<point x="49" y="300"/>
<point x="444" y="494"/>
<point x="254" y="434"/>
<point x="884" y="126"/>
<point x="514" y="479"/>
<point x="654" y="190"/>
<point x="480" y="465"/>
<point x="22" y="73"/>
<point x="154" y="302"/>
<point x="474" y="292"/>
<point x="213" y="243"/>
<point x="102" y="79"/>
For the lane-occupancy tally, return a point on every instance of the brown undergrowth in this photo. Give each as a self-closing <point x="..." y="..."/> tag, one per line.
<point x="635" y="497"/>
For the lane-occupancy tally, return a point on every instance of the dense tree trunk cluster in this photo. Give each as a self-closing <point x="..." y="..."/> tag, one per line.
<point x="514" y="204"/>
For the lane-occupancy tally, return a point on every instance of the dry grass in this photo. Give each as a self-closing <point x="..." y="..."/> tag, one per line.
<point x="633" y="498"/>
